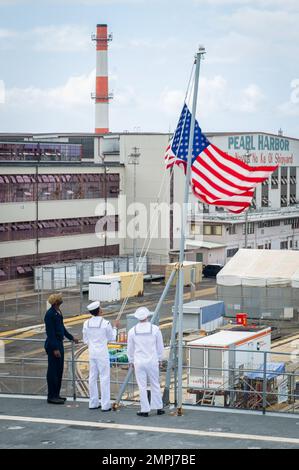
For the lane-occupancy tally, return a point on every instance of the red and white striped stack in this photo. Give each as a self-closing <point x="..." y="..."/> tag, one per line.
<point x="102" y="95"/>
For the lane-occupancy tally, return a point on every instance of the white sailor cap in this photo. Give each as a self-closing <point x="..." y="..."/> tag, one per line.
<point x="93" y="306"/>
<point x="142" y="313"/>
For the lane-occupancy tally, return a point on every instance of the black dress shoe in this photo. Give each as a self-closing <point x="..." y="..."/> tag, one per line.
<point x="95" y="408"/>
<point x="104" y="411"/>
<point x="55" y="401"/>
<point x="144" y="415"/>
<point x="160" y="412"/>
<point x="62" y="398"/>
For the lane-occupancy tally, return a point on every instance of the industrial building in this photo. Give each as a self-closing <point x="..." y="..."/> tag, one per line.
<point x="97" y="176"/>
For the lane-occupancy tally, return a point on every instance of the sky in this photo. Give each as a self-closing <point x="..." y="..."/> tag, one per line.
<point x="249" y="79"/>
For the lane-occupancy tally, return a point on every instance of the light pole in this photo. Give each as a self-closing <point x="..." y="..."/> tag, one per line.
<point x="134" y="159"/>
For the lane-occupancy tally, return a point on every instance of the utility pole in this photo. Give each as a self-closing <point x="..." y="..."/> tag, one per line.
<point x="134" y="159"/>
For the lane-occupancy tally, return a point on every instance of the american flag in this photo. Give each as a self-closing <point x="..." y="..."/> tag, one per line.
<point x="216" y="177"/>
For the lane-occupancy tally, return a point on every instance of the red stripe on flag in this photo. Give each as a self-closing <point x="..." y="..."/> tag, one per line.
<point x="203" y="162"/>
<point x="215" y="186"/>
<point x="230" y="171"/>
<point x="242" y="164"/>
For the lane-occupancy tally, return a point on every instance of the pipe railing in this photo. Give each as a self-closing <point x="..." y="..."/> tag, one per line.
<point x="235" y="381"/>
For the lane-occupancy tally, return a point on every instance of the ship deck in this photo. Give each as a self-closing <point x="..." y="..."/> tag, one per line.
<point x="29" y="422"/>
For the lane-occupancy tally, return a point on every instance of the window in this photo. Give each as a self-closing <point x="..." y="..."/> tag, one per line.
<point x="265" y="194"/>
<point x="274" y="180"/>
<point x="19" y="188"/>
<point x="267" y="223"/>
<point x="293" y="175"/>
<point x="207" y="230"/>
<point x="215" y="363"/>
<point x="232" y="229"/>
<point x="197" y="361"/>
<point x="212" y="230"/>
<point x="250" y="228"/>
<point x="284" y="245"/>
<point x="284" y="187"/>
<point x="231" y="252"/>
<point x="53" y="228"/>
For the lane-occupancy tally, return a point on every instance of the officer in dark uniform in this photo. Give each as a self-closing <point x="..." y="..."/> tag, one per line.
<point x="56" y="332"/>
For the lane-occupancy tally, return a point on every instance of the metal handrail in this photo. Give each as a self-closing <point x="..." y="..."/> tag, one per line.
<point x="74" y="380"/>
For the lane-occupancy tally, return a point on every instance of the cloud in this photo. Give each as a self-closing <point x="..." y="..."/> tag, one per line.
<point x="64" y="108"/>
<point x="63" y="38"/>
<point x="282" y="4"/>
<point x="270" y="25"/>
<point x="82" y="2"/>
<point x="253" y="36"/>
<point x="76" y="92"/>
<point x="51" y="38"/>
<point x="291" y="107"/>
<point x="2" y="92"/>
<point x="7" y="33"/>
<point x="215" y="96"/>
<point x="171" y="101"/>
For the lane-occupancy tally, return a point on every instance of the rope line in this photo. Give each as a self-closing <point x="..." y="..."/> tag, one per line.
<point x="151" y="229"/>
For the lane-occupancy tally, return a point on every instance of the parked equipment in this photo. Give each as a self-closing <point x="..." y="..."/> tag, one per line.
<point x="206" y="315"/>
<point x="217" y="362"/>
<point x="115" y="286"/>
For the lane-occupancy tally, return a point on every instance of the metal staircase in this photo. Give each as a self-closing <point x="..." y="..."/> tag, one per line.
<point x="208" y="398"/>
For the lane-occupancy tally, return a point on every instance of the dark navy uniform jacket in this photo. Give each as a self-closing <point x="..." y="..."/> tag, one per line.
<point x="55" y="330"/>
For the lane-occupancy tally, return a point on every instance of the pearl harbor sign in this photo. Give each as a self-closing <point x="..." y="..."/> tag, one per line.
<point x="260" y="148"/>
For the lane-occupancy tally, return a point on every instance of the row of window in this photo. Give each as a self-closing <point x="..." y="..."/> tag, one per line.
<point x="56" y="228"/>
<point x="22" y="188"/>
<point x="269" y="223"/>
<point x="232" y="228"/>
<point x="284" y="245"/>
<point x="33" y="151"/>
<point x="283" y="177"/>
<point x="212" y="230"/>
<point x="22" y="266"/>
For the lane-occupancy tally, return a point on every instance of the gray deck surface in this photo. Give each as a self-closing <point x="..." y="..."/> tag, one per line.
<point x="78" y="427"/>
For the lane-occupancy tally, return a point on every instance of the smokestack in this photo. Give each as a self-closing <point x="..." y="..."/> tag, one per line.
<point x="102" y="95"/>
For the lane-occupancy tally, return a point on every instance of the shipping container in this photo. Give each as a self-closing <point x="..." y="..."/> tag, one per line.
<point x="117" y="286"/>
<point x="206" y="315"/>
<point x="192" y="273"/>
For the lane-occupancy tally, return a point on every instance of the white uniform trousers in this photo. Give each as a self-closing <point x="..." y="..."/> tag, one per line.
<point x="99" y="368"/>
<point x="148" y="372"/>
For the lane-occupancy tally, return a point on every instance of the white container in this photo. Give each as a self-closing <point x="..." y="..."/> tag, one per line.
<point x="98" y="268"/>
<point x="104" y="288"/>
<point x="211" y="356"/>
<point x="204" y="315"/>
<point x="121" y="265"/>
<point x="108" y="267"/>
<point x="141" y="264"/>
<point x="70" y="276"/>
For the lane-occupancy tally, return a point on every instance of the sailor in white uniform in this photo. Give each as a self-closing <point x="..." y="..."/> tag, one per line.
<point x="97" y="333"/>
<point x="145" y="353"/>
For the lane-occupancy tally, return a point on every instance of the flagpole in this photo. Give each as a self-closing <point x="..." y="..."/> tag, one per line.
<point x="198" y="56"/>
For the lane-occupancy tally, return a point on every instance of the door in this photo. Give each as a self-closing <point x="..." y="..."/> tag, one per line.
<point x="199" y="257"/>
